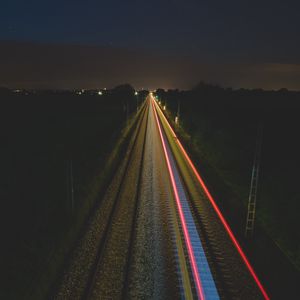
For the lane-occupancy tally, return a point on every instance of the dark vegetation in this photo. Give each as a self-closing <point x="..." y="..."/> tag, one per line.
<point x="45" y="137"/>
<point x="219" y="126"/>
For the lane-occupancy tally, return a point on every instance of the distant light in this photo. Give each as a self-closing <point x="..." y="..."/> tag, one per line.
<point x="176" y="120"/>
<point x="79" y="93"/>
<point x="104" y="89"/>
<point x="100" y="93"/>
<point x="82" y="91"/>
<point x="136" y="93"/>
<point x="151" y="94"/>
<point x="164" y="107"/>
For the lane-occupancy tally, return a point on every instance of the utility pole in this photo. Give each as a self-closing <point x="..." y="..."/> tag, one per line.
<point x="126" y="109"/>
<point x="68" y="184"/>
<point x="178" y="112"/>
<point x="72" y="186"/>
<point x="254" y="184"/>
<point x="137" y="101"/>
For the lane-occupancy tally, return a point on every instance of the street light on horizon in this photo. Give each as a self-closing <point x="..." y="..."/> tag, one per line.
<point x="137" y="101"/>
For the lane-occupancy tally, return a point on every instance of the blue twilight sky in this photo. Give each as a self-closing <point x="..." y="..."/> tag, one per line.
<point x="206" y="31"/>
<point x="258" y="30"/>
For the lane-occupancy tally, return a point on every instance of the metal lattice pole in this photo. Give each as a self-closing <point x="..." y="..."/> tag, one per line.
<point x="254" y="184"/>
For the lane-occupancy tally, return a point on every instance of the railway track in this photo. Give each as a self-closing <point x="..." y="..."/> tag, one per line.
<point x="119" y="218"/>
<point x="203" y="283"/>
<point x="207" y="263"/>
<point x="125" y="289"/>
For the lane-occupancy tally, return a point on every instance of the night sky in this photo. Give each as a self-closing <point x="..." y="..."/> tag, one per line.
<point x="201" y="37"/>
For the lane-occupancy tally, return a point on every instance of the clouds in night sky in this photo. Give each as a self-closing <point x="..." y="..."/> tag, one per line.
<point x="242" y="35"/>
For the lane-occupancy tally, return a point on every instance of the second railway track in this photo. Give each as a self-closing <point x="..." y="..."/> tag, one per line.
<point x="111" y="268"/>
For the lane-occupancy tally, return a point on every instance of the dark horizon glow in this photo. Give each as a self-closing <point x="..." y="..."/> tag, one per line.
<point x="53" y="66"/>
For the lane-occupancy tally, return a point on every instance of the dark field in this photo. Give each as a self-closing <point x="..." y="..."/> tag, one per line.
<point x="46" y="137"/>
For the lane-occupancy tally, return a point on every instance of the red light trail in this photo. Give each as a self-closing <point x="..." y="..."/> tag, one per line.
<point x="182" y="218"/>
<point x="218" y="212"/>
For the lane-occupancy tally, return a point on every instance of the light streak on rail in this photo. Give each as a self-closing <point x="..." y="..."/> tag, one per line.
<point x="181" y="215"/>
<point x="217" y="210"/>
